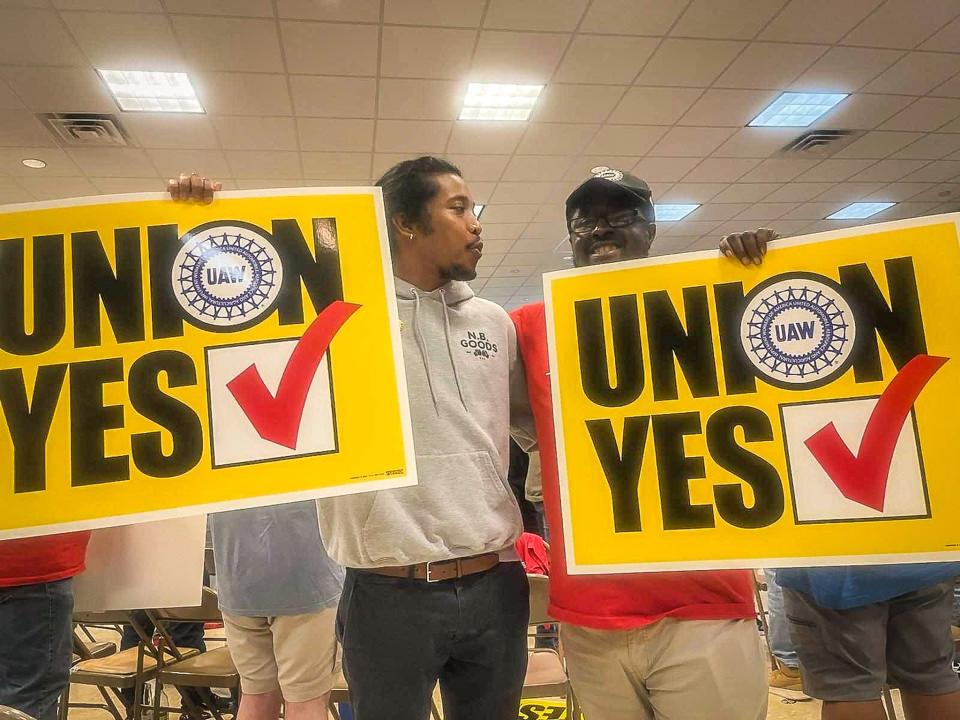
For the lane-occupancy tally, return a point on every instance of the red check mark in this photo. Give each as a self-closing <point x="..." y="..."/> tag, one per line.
<point x="277" y="418"/>
<point x="863" y="478"/>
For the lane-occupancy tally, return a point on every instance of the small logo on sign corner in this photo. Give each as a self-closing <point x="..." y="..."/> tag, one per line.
<point x="798" y="330"/>
<point x="226" y="275"/>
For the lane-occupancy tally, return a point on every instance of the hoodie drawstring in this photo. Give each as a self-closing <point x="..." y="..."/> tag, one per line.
<point x="453" y="362"/>
<point x="423" y="350"/>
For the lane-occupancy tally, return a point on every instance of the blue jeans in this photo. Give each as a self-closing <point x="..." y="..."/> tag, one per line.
<point x="780" y="644"/>
<point x="36" y="646"/>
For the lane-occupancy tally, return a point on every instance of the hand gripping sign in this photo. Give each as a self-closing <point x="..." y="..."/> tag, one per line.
<point x="798" y="413"/>
<point x="160" y="359"/>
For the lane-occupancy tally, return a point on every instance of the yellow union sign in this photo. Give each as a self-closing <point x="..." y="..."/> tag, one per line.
<point x="161" y="359"/>
<point x="798" y="413"/>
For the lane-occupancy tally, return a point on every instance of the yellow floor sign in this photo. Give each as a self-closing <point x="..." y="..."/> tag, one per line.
<point x="543" y="710"/>
<point x="160" y="359"/>
<point x="798" y="413"/>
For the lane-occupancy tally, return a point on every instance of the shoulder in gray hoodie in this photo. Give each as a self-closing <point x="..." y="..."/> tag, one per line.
<point x="466" y="390"/>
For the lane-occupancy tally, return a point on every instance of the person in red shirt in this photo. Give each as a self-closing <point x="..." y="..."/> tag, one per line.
<point x="657" y="645"/>
<point x="36" y="619"/>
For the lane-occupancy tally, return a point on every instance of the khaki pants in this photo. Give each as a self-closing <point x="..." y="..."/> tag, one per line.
<point x="671" y="670"/>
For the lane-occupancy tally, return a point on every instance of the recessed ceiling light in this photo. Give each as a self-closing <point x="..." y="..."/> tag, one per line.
<point x="860" y="210"/>
<point x="477" y="209"/>
<point x="670" y="213"/>
<point x="498" y="101"/>
<point x="140" y="91"/>
<point x="34" y="163"/>
<point x="796" y="109"/>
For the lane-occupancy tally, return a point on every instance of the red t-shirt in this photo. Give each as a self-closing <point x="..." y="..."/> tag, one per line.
<point x="613" y="601"/>
<point x="42" y="559"/>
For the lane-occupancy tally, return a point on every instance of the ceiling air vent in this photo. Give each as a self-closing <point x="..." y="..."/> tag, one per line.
<point x="820" y="142"/>
<point x="85" y="129"/>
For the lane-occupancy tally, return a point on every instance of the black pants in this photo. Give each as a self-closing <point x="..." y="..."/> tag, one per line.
<point x="401" y="636"/>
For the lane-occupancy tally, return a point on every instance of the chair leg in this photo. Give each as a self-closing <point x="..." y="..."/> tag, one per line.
<point x="889" y="707"/>
<point x="64" y="703"/>
<point x="332" y="707"/>
<point x="157" y="696"/>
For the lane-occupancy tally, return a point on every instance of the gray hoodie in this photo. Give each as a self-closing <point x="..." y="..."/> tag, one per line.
<point x="466" y="390"/>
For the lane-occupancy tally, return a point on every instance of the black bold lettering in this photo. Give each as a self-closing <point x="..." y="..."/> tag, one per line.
<point x="899" y="324"/>
<point x="675" y="470"/>
<point x="94" y="281"/>
<point x="692" y="347"/>
<point x="89" y="421"/>
<point x="627" y="351"/>
<point x="320" y="274"/>
<point x="29" y="422"/>
<point x="760" y="475"/>
<point x="738" y="374"/>
<point x="49" y="302"/>
<point x="163" y="244"/>
<point x="178" y="418"/>
<point x="622" y="468"/>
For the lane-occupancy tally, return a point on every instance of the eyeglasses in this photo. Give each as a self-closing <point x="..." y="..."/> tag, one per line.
<point x="583" y="226"/>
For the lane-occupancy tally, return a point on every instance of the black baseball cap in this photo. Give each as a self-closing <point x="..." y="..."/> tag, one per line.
<point x="606" y="179"/>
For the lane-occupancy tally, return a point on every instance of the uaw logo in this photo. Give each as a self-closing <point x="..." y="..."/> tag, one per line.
<point x="797" y="330"/>
<point x="227" y="275"/>
<point x="602" y="171"/>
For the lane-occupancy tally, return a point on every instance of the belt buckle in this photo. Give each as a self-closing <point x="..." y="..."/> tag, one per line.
<point x="430" y="566"/>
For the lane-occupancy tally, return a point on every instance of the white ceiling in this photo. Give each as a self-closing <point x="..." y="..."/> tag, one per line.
<point x="333" y="92"/>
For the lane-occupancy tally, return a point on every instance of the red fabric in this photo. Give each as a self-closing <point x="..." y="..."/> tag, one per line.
<point x="533" y="554"/>
<point x="42" y="559"/>
<point x="613" y="601"/>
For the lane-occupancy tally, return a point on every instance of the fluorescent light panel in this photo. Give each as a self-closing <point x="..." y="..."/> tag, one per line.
<point x="140" y="91"/>
<point x="498" y="101"/>
<point x="671" y="213"/>
<point x="860" y="210"/>
<point x="797" y="109"/>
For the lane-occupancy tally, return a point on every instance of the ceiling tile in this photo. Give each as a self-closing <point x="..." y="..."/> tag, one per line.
<point x="878" y="144"/>
<point x="19" y="128"/>
<point x="692" y="193"/>
<point x="118" y="186"/>
<point x="122" y="5"/>
<point x="756" y="142"/>
<point x="517" y="57"/>
<point x="582" y="168"/>
<point x="172" y="162"/>
<point x="665" y="169"/>
<point x="481" y="167"/>
<point x="317" y="96"/>
<point x="604" y="59"/>
<point x="534" y="15"/>
<point x="632" y="17"/>
<point x="263" y="164"/>
<point x="716" y="212"/>
<point x="798" y="192"/>
<point x="245" y="8"/>
<point x="576" y="103"/>
<point x="124" y="41"/>
<point x="849" y="191"/>
<point x="60" y="89"/>
<point x="8" y="99"/>
<point x="263" y="183"/>
<point x="735" y="108"/>
<point x="902" y="24"/>
<point x="403" y="99"/>
<point x="616" y="140"/>
<point x="691" y="63"/>
<point x="863" y="112"/>
<point x="654" y="105"/>
<point x="727" y="19"/>
<point x="502" y="231"/>
<point x="845" y="69"/>
<point x="690" y="141"/>
<point x="217" y="43"/>
<point x="256" y="133"/>
<point x="35" y="37"/>
<point x="935" y="146"/>
<point x="509" y="213"/>
<point x="536" y="167"/>
<point x="330" y="49"/>
<point x="907" y="210"/>
<point x="721" y="170"/>
<point x="926" y="114"/>
<point x="121" y="162"/>
<point x="746" y="192"/>
<point x="556" y="228"/>
<point x="686" y="227"/>
<point x="59" y="164"/>
<point x="835" y="170"/>
<point x="888" y="170"/>
<point x="352" y="11"/>
<point x="817" y="21"/>
<point x="939" y="171"/>
<point x="169" y="130"/>
<point x="766" y="211"/>
<point x="56" y="188"/>
<point x="814" y="210"/>
<point x="334" y="165"/>
<point x="329" y="134"/>
<point x="951" y="88"/>
<point x="780" y="170"/>
<point x="422" y="52"/>
<point x="226" y="93"/>
<point x="384" y="161"/>
<point x="917" y="73"/>
<point x="946" y="40"/>
<point x="933" y="192"/>
<point x="453" y="13"/>
<point x="485" y="138"/>
<point x="898" y="192"/>
<point x="556" y="138"/>
<point x="769" y="65"/>
<point x="412" y="136"/>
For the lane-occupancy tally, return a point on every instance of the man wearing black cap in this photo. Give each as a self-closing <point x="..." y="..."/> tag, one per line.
<point x="659" y="645"/>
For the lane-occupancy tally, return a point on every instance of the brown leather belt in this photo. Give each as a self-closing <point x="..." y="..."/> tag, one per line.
<point x="441" y="569"/>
